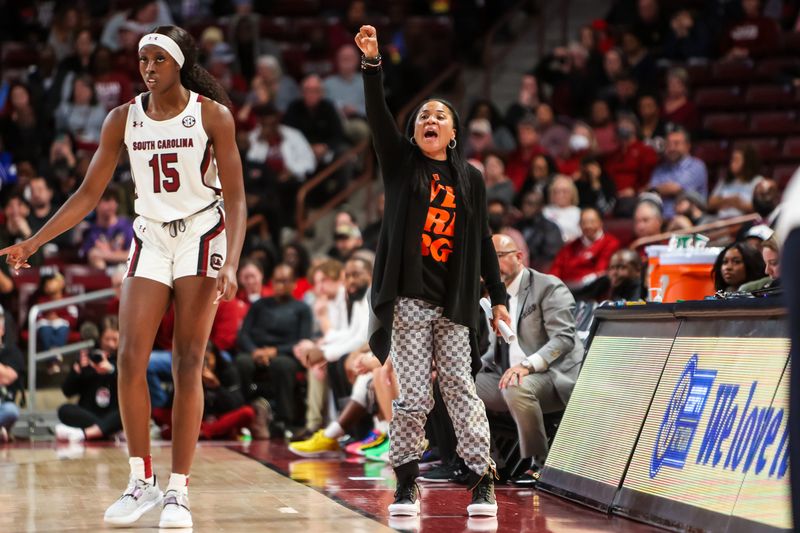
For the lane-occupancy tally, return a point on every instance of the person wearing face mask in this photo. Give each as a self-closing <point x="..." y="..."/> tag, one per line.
<point x="631" y="165"/>
<point x="434" y="247"/>
<point x="581" y="144"/>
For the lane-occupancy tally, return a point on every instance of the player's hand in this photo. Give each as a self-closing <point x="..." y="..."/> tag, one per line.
<point x="499" y="312"/>
<point x="367" y="41"/>
<point x="18" y="254"/>
<point x="226" y="283"/>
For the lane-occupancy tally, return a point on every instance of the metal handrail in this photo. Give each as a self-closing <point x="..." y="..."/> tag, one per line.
<point x="489" y="63"/>
<point x="300" y="211"/>
<point x="33" y="357"/>
<point x="711" y="226"/>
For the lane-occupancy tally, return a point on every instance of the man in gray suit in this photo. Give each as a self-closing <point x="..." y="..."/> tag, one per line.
<point x="534" y="375"/>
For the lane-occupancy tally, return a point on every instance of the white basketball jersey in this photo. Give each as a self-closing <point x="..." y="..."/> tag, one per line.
<point x="172" y="162"/>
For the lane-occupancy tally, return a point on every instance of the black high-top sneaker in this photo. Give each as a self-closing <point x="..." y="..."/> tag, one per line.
<point x="483" y="500"/>
<point x="406" y="496"/>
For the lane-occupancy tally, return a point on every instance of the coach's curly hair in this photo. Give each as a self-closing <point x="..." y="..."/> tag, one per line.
<point x="193" y="76"/>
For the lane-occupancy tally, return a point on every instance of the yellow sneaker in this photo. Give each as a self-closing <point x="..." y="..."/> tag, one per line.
<point x="317" y="446"/>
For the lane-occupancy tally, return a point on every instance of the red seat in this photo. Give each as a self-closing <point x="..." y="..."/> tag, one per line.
<point x="791" y="148"/>
<point x="783" y="173"/>
<point x="770" y="68"/>
<point x="700" y="75"/>
<point x="718" y="97"/>
<point x="791" y="43"/>
<point x="774" y="122"/>
<point x="770" y="95"/>
<point x="726" y="124"/>
<point x="277" y="28"/>
<point x="293" y="58"/>
<point x="712" y="152"/>
<point x="621" y="228"/>
<point x="732" y="71"/>
<point x="769" y="149"/>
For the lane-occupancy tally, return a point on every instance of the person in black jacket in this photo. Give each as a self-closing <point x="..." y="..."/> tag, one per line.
<point x="94" y="379"/>
<point x="433" y="248"/>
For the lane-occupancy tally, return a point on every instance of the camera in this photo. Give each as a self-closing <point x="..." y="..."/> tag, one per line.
<point x="97" y="356"/>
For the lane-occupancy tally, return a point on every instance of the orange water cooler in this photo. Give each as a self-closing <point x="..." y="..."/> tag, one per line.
<point x="680" y="274"/>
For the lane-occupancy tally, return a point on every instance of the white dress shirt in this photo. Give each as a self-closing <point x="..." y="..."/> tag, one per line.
<point x="515" y="353"/>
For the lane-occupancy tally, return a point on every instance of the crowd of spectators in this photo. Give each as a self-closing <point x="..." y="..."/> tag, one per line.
<point x="600" y="149"/>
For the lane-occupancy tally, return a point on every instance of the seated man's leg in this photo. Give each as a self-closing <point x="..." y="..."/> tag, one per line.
<point x="316" y="397"/>
<point x="283" y="379"/>
<point x="247" y="369"/>
<point x="487" y="385"/>
<point x="159" y="371"/>
<point x="527" y="403"/>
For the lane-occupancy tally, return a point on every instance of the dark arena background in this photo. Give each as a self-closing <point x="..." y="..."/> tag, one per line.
<point x="636" y="150"/>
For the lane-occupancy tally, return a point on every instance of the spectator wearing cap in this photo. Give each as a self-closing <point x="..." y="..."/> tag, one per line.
<point x="648" y="217"/>
<point x="583" y="261"/>
<point x="554" y="137"/>
<point x="480" y="140"/>
<point x="108" y="239"/>
<point x="625" y="276"/>
<point x="678" y="172"/>
<point x="542" y="236"/>
<point x="733" y="196"/>
<point x="563" y="207"/>
<point x="692" y="206"/>
<point x="528" y="147"/>
<point x="498" y="184"/>
<point x="502" y="138"/>
<point x="756" y="235"/>
<point x="631" y="166"/>
<point x="678" y="108"/>
<point x="12" y="368"/>
<point x="346" y="90"/>
<point x="347" y="239"/>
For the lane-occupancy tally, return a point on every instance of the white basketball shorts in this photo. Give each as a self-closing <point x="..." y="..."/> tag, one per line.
<point x="164" y="252"/>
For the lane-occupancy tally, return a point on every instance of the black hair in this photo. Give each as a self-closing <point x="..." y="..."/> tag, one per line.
<point x="495" y="118"/>
<point x="193" y="76"/>
<point x="265" y="110"/>
<point x="592" y="208"/>
<point x="86" y="79"/>
<point x="112" y="192"/>
<point x="17" y="194"/>
<point x="304" y="260"/>
<point x="751" y="164"/>
<point x="753" y="264"/>
<point x="455" y="157"/>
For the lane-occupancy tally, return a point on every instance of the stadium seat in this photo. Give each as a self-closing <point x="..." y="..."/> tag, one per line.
<point x="774" y="68"/>
<point x="791" y="148"/>
<point x="621" y="228"/>
<point x="294" y="56"/>
<point x="712" y="152"/>
<point x="733" y="71"/>
<point x="699" y="74"/>
<point x="718" y="97"/>
<point x="770" y="95"/>
<point x="791" y="44"/>
<point x="774" y="122"/>
<point x="726" y="124"/>
<point x="783" y="173"/>
<point x="769" y="149"/>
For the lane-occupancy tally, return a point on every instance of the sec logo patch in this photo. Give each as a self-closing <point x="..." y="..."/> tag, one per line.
<point x="189" y="121"/>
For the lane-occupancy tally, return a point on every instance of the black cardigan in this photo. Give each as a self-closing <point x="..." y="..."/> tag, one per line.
<point x="473" y="256"/>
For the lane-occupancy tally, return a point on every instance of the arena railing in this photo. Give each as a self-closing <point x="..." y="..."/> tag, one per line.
<point x="34" y="356"/>
<point x="716" y="231"/>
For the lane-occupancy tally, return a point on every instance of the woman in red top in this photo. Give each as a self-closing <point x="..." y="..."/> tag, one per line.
<point x="677" y="106"/>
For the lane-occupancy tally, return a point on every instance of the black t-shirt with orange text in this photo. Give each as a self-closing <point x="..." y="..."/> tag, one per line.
<point x="438" y="233"/>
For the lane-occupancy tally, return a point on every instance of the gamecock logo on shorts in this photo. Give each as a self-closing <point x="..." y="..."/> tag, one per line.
<point x="216" y="261"/>
<point x="189" y="121"/>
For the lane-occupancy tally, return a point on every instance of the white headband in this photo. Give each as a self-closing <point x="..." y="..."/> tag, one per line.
<point x="165" y="42"/>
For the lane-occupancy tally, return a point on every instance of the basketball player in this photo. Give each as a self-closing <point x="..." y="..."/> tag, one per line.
<point x="181" y="144"/>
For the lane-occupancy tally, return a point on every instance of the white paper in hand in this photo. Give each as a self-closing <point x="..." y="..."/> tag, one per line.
<point x="505" y="330"/>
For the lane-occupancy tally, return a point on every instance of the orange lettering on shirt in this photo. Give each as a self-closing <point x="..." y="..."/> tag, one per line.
<point x="440" y="249"/>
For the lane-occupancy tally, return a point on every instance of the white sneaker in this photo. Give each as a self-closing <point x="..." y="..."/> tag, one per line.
<point x="66" y="433"/>
<point x="139" y="498"/>
<point x="175" y="512"/>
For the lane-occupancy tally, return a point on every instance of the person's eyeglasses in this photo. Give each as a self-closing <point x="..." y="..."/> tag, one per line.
<point x="501" y="255"/>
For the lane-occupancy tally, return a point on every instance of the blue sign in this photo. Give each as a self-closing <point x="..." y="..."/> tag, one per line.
<point x="739" y="436"/>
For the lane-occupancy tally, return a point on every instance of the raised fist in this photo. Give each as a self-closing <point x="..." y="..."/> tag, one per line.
<point x="367" y="41"/>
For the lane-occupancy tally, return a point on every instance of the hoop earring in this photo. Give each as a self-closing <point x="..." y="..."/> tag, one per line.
<point x="412" y="140"/>
<point x="452" y="144"/>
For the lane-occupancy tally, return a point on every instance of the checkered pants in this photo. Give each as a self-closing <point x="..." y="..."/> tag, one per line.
<point x="420" y="336"/>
